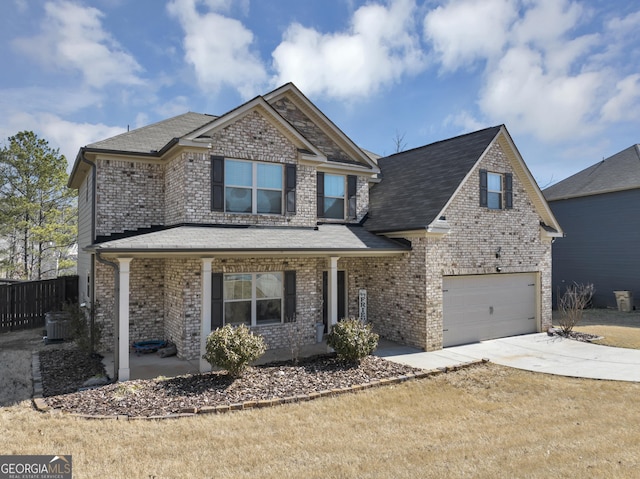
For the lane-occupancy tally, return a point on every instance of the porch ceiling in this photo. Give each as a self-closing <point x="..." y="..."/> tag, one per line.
<point x="325" y="240"/>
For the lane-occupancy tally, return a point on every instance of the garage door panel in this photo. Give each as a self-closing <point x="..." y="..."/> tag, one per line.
<point x="477" y="308"/>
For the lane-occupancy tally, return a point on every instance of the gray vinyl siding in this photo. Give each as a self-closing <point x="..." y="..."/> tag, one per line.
<point x="601" y="244"/>
<point x="85" y="235"/>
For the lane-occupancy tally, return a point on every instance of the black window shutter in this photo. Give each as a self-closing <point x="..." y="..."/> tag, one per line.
<point x="289" y="296"/>
<point x="320" y="195"/>
<point x="508" y="190"/>
<point x="352" y="187"/>
<point x="290" y="189"/>
<point x="483" y="188"/>
<point x="217" y="303"/>
<point x="217" y="183"/>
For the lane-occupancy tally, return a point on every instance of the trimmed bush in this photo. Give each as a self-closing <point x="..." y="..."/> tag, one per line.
<point x="233" y="348"/>
<point x="352" y="339"/>
<point x="84" y="331"/>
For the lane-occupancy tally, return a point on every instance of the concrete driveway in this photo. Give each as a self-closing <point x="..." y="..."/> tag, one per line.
<point x="533" y="352"/>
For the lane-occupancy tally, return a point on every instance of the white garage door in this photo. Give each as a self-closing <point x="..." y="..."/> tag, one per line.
<point x="488" y="307"/>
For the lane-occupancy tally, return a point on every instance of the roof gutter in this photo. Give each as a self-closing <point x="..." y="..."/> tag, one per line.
<point x="250" y="253"/>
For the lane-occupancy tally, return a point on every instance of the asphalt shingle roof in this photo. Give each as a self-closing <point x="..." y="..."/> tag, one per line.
<point x="155" y="136"/>
<point x="618" y="172"/>
<point x="326" y="238"/>
<point x="416" y="184"/>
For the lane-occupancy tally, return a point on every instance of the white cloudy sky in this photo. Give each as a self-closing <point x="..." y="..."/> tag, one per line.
<point x="563" y="75"/>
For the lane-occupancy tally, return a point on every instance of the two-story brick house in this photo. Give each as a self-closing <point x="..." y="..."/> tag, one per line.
<point x="269" y="215"/>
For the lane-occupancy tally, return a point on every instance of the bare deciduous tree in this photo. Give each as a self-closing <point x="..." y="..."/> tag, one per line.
<point x="572" y="303"/>
<point x="398" y="142"/>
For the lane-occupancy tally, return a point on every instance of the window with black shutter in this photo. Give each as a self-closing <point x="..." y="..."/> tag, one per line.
<point x="336" y="196"/>
<point x="496" y="190"/>
<point x="254" y="187"/>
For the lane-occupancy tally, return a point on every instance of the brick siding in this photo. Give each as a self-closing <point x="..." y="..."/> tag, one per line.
<point x="405" y="294"/>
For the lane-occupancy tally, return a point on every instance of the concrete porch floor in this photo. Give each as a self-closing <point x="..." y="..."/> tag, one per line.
<point x="151" y="365"/>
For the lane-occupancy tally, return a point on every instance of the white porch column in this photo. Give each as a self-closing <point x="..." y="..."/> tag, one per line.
<point x="123" y="320"/>
<point x="332" y="285"/>
<point x="205" y="323"/>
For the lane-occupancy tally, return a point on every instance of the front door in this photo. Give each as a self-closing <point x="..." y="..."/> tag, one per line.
<point x="342" y="295"/>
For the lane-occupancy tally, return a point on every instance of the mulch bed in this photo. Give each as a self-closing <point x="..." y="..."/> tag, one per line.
<point x="65" y="370"/>
<point x="164" y="396"/>
<point x="575" y="335"/>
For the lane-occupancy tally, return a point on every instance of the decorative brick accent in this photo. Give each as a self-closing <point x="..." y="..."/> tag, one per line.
<point x="310" y="130"/>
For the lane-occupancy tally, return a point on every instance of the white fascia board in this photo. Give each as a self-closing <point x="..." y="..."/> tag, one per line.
<point x="438" y="228"/>
<point x="342" y="168"/>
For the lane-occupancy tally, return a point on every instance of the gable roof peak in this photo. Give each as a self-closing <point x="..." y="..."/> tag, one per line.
<point x="417" y="184"/>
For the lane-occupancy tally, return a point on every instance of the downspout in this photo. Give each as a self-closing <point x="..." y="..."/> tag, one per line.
<point x="92" y="309"/>
<point x="115" y="266"/>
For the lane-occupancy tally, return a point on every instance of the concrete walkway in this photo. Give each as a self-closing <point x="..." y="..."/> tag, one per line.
<point x="533" y="352"/>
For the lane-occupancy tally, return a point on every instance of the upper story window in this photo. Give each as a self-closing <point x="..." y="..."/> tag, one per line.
<point x="496" y="190"/>
<point x="336" y="196"/>
<point x="252" y="187"/>
<point x="240" y="186"/>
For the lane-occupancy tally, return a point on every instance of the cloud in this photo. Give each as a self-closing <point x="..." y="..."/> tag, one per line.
<point x="465" y="31"/>
<point x="63" y="134"/>
<point x="625" y="104"/>
<point x="380" y="47"/>
<point x="541" y="72"/>
<point x="219" y="48"/>
<point x="553" y="107"/>
<point x="72" y="38"/>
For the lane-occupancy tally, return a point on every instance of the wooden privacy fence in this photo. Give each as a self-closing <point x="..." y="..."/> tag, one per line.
<point x="23" y="305"/>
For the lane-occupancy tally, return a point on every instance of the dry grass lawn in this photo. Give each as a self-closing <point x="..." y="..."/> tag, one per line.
<point x="617" y="329"/>
<point x="485" y="422"/>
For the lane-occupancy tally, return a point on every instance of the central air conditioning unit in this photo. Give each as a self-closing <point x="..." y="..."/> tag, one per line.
<point x="58" y="324"/>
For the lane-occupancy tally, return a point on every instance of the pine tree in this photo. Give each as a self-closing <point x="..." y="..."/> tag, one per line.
<point x="38" y="224"/>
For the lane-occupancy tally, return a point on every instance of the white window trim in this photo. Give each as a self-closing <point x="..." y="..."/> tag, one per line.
<point x="344" y="197"/>
<point x="499" y="192"/>
<point x="254" y="298"/>
<point x="254" y="188"/>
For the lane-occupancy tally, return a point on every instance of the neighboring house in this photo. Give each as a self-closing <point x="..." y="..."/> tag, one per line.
<point x="270" y="215"/>
<point x="598" y="209"/>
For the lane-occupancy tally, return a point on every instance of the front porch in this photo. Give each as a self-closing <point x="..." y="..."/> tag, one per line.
<point x="149" y="366"/>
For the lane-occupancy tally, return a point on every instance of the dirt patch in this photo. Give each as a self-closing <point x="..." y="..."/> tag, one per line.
<point x="16" y="351"/>
<point x="15" y="364"/>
